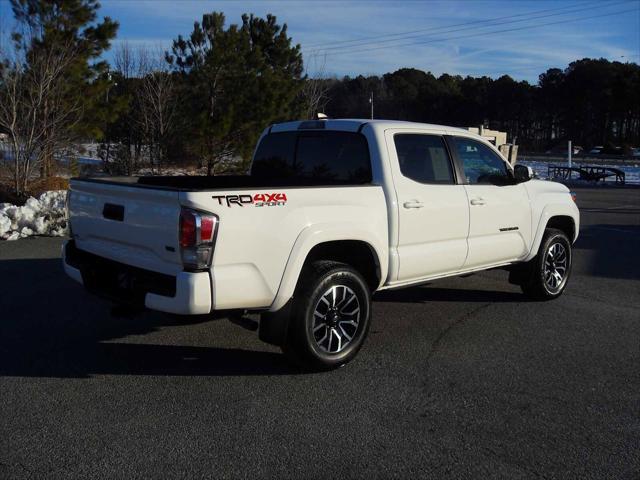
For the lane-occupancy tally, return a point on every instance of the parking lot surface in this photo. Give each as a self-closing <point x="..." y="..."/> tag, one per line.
<point x="461" y="378"/>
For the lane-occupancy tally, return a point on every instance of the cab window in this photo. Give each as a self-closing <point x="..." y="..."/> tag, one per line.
<point x="341" y="157"/>
<point x="314" y="157"/>
<point x="424" y="158"/>
<point x="481" y="165"/>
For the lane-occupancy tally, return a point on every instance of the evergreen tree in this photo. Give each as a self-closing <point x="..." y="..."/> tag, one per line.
<point x="592" y="102"/>
<point x="238" y="79"/>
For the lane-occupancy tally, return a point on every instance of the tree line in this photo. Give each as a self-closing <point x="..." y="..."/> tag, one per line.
<point x="591" y="102"/>
<point x="205" y="101"/>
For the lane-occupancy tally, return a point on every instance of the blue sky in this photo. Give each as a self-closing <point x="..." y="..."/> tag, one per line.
<point x="468" y="37"/>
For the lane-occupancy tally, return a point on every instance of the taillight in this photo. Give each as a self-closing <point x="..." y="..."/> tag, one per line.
<point x="207" y="226"/>
<point x="188" y="233"/>
<point x="197" y="235"/>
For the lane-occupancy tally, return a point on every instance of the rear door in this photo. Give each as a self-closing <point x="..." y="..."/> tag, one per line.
<point x="433" y="210"/>
<point x="500" y="213"/>
<point x="134" y="225"/>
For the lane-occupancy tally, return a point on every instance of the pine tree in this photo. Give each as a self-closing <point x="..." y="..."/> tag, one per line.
<point x="237" y="80"/>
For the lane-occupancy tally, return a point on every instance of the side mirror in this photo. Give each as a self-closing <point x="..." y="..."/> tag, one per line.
<point x="522" y="173"/>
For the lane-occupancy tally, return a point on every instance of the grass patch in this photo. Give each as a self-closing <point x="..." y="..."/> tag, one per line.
<point x="36" y="188"/>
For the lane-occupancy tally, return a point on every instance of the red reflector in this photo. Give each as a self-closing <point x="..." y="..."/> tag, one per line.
<point x="187" y="229"/>
<point x="206" y="228"/>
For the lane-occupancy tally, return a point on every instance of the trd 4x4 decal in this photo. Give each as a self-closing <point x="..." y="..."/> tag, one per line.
<point x="257" y="200"/>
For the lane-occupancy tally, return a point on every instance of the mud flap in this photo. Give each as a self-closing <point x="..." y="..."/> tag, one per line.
<point x="274" y="325"/>
<point x="520" y="274"/>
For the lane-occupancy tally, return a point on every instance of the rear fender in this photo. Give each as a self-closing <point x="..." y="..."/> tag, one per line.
<point x="321" y="233"/>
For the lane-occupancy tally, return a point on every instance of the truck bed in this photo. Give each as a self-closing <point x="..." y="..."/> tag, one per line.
<point x="135" y="221"/>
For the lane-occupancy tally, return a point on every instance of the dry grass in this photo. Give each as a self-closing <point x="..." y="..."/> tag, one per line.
<point x="36" y="188"/>
<point x="52" y="183"/>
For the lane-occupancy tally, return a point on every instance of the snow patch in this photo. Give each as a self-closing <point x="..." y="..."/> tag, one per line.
<point x="44" y="215"/>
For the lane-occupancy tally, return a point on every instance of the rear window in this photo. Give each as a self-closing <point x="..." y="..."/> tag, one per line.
<point x="275" y="155"/>
<point x="327" y="157"/>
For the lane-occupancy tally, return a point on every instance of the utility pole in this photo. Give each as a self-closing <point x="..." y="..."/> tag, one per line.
<point x="569" y="152"/>
<point x="371" y="102"/>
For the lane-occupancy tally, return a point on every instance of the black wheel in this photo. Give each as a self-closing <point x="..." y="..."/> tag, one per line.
<point x="549" y="271"/>
<point x="330" y="316"/>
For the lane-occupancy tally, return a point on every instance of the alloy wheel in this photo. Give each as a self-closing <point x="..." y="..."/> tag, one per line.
<point x="336" y="318"/>
<point x="556" y="263"/>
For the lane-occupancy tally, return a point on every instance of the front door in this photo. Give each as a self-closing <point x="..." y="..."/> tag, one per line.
<point x="500" y="213"/>
<point x="433" y="210"/>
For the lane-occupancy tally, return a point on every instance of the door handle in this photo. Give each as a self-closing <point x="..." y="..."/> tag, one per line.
<point x="478" y="201"/>
<point x="413" y="204"/>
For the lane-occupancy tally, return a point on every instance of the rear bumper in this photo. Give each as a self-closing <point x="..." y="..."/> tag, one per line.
<point x="187" y="293"/>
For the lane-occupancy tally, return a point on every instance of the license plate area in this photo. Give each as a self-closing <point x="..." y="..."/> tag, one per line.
<point x="117" y="281"/>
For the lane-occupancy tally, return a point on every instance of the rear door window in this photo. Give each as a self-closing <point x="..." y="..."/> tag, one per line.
<point x="424" y="158"/>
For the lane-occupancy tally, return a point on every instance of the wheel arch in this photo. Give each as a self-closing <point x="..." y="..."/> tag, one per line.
<point x="351" y="244"/>
<point x="357" y="253"/>
<point x="564" y="223"/>
<point x="558" y="216"/>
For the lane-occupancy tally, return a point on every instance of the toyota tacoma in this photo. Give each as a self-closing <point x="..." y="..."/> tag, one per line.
<point x="330" y="212"/>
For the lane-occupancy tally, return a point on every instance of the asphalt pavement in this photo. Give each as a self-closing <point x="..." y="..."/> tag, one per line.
<point x="462" y="378"/>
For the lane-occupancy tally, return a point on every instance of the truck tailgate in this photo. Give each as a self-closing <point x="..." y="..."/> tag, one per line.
<point x="132" y="225"/>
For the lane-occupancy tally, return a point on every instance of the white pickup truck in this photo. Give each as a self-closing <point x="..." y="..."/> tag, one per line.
<point x="331" y="212"/>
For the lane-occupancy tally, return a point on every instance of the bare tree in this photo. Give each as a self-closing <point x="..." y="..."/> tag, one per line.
<point x="124" y="60"/>
<point x="316" y="86"/>
<point x="157" y="102"/>
<point x="35" y="111"/>
<point x="129" y="150"/>
<point x="152" y="89"/>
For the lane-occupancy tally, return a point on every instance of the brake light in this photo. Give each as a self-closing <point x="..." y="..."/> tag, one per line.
<point x="188" y="233"/>
<point x="573" y="196"/>
<point x="197" y="234"/>
<point x="207" y="225"/>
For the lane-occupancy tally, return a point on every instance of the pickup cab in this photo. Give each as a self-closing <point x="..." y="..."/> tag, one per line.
<point x="331" y="212"/>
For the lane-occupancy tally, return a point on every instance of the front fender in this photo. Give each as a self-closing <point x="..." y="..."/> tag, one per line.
<point x="320" y="233"/>
<point x="564" y="208"/>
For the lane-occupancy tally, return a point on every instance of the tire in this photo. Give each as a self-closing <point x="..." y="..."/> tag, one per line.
<point x="548" y="273"/>
<point x="327" y="331"/>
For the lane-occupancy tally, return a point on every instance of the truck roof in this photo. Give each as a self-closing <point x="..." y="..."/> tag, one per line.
<point x="355" y="124"/>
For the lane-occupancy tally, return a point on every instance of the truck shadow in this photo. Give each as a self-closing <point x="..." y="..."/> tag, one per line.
<point x="49" y="327"/>
<point x="614" y="248"/>
<point x="423" y="294"/>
